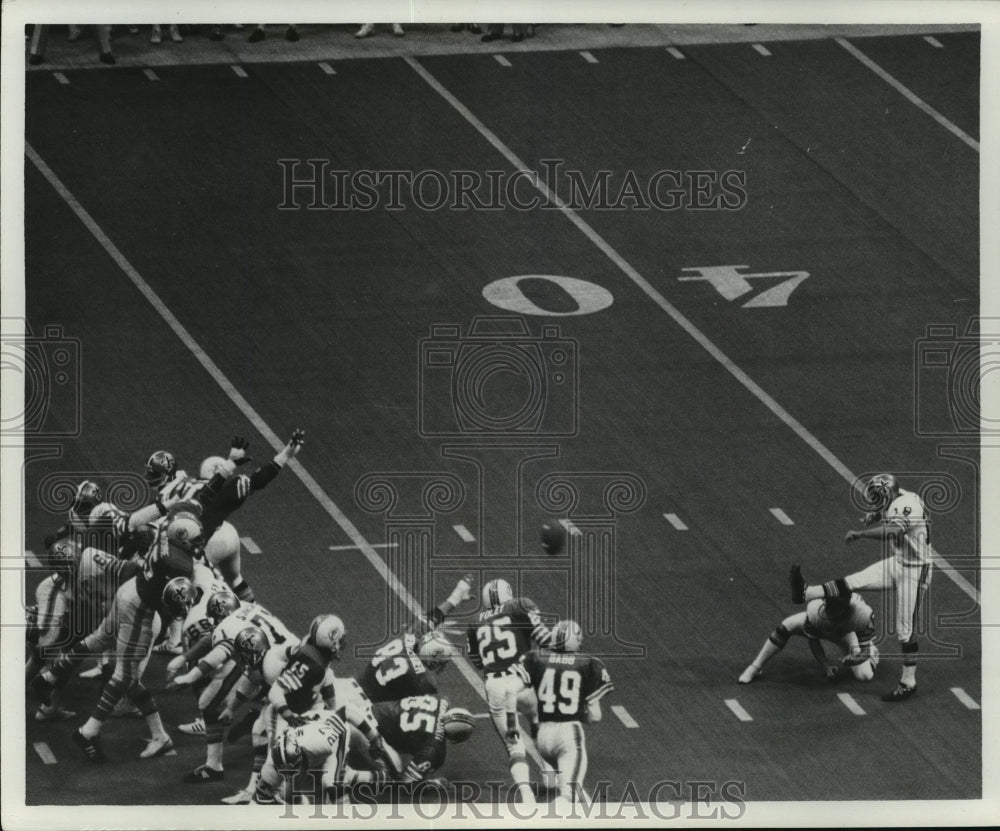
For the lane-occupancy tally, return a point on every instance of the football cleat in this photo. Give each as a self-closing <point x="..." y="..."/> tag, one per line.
<point x="901" y="692"/>
<point x="178" y="597"/>
<point x="160" y="469"/>
<point x="327" y="632"/>
<point x="91" y="747"/>
<point x="567" y="636"/>
<point x="202" y="774"/>
<point x="497" y="592"/>
<point x="221" y="605"/>
<point x="435" y="650"/>
<point x="94" y="672"/>
<point x="798" y="583"/>
<point x="243" y="797"/>
<point x="249" y="647"/>
<point x="193" y="728"/>
<point x="880" y="491"/>
<point x="158" y="747"/>
<point x="458" y="724"/>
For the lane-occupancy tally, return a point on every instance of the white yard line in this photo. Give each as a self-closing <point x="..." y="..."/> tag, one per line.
<point x="570" y="528"/>
<point x="676" y="521"/>
<point x="623" y="716"/>
<point x="781" y="516"/>
<point x="588" y="57"/>
<point x="673" y="50"/>
<point x="965" y="698"/>
<point x="907" y="94"/>
<point x="239" y="70"/>
<point x="250" y="545"/>
<point x="933" y="41"/>
<point x="62" y="79"/>
<point x="33" y="561"/>
<point x="738" y="710"/>
<point x="674" y="313"/>
<point x="761" y="49"/>
<point x="317" y="492"/>
<point x="500" y="59"/>
<point x="464" y="533"/>
<point x="150" y="74"/>
<point x="848" y="701"/>
<point x="329" y="70"/>
<point x="45" y="753"/>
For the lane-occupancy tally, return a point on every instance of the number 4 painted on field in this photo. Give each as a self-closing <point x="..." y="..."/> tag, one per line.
<point x="728" y="281"/>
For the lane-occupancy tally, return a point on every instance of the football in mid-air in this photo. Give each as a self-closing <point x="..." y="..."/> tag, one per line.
<point x="553" y="537"/>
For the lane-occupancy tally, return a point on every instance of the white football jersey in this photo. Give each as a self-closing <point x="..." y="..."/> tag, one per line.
<point x="907" y="511"/>
<point x="182" y="488"/>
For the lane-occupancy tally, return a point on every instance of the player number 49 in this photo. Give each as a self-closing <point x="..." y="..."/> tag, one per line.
<point x="567" y="698"/>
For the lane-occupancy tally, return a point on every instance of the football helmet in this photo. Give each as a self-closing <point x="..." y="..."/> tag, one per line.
<point x="458" y="724"/>
<point x="178" y="597"/>
<point x="87" y="496"/>
<point x="104" y="514"/>
<point x="497" y="592"/>
<point x="215" y="464"/>
<point x="287" y="754"/>
<point x="160" y="469"/>
<point x="184" y="525"/>
<point x="327" y="632"/>
<point x="250" y="646"/>
<point x="64" y="554"/>
<point x="880" y="491"/>
<point x="567" y="636"/>
<point x="221" y="605"/>
<point x="435" y="650"/>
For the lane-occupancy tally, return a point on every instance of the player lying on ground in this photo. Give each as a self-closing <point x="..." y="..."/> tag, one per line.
<point x="847" y="621"/>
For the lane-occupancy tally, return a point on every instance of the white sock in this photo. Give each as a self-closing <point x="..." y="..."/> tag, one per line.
<point x="155" y="725"/>
<point x="909" y="676"/>
<point x="213" y="755"/>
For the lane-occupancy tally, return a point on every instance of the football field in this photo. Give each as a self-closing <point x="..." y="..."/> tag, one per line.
<point x="707" y="314"/>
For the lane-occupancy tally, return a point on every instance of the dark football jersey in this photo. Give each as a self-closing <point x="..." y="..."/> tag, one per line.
<point x="302" y="677"/>
<point x="505" y="633"/>
<point x="565" y="683"/>
<point x="414" y="726"/>
<point x="396" y="671"/>
<point x="221" y="498"/>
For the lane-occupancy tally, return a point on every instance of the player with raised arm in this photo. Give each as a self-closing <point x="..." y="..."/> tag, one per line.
<point x="898" y="520"/>
<point x="569" y="686"/>
<point x="846" y="621"/>
<point x="504" y="633"/>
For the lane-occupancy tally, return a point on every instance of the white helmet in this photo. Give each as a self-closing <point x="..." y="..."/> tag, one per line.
<point x="215" y="464"/>
<point x="327" y="632"/>
<point x="497" y="592"/>
<point x="881" y="490"/>
<point x="103" y="513"/>
<point x="184" y="525"/>
<point x="435" y="650"/>
<point x="458" y="724"/>
<point x="286" y="751"/>
<point x="567" y="636"/>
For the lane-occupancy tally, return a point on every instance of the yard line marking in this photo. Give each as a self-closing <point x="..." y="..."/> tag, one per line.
<point x="738" y="711"/>
<point x="150" y="74"/>
<point x="588" y="57"/>
<point x="352" y="547"/>
<point x="624" y="716"/>
<point x="463" y="532"/>
<point x="570" y="527"/>
<point x="933" y="41"/>
<point x="500" y="59"/>
<point x="234" y="395"/>
<point x="43" y="750"/>
<point x="250" y="545"/>
<point x="965" y="698"/>
<point x="673" y="50"/>
<point x="329" y="70"/>
<point x="762" y="49"/>
<point x="675" y="520"/>
<point x="62" y="79"/>
<point x="675" y="314"/>
<point x="781" y="516"/>
<point x="33" y="561"/>
<point x="848" y="701"/>
<point x="239" y="70"/>
<point x="907" y="94"/>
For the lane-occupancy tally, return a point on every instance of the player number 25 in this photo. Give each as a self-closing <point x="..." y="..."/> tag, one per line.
<point x="567" y="698"/>
<point x="497" y="639"/>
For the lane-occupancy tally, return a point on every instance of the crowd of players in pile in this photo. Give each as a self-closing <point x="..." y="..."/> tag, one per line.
<point x="171" y="570"/>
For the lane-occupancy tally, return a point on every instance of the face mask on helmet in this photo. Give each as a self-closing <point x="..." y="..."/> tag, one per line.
<point x="160" y="469"/>
<point x="178" y="597"/>
<point x="220" y="605"/>
<point x="497" y="592"/>
<point x="184" y="525"/>
<point x="880" y="491"/>
<point x="458" y="724"/>
<point x="250" y="647"/>
<point x="327" y="632"/>
<point x="87" y="497"/>
<point x="64" y="554"/>
<point x="435" y="650"/>
<point x="567" y="636"/>
<point x="213" y="465"/>
<point x="287" y="753"/>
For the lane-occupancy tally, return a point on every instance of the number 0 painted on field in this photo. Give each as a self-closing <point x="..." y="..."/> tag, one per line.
<point x="507" y="294"/>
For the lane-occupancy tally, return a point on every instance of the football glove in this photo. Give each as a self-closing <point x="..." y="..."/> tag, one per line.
<point x="298" y="438"/>
<point x="238" y="450"/>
